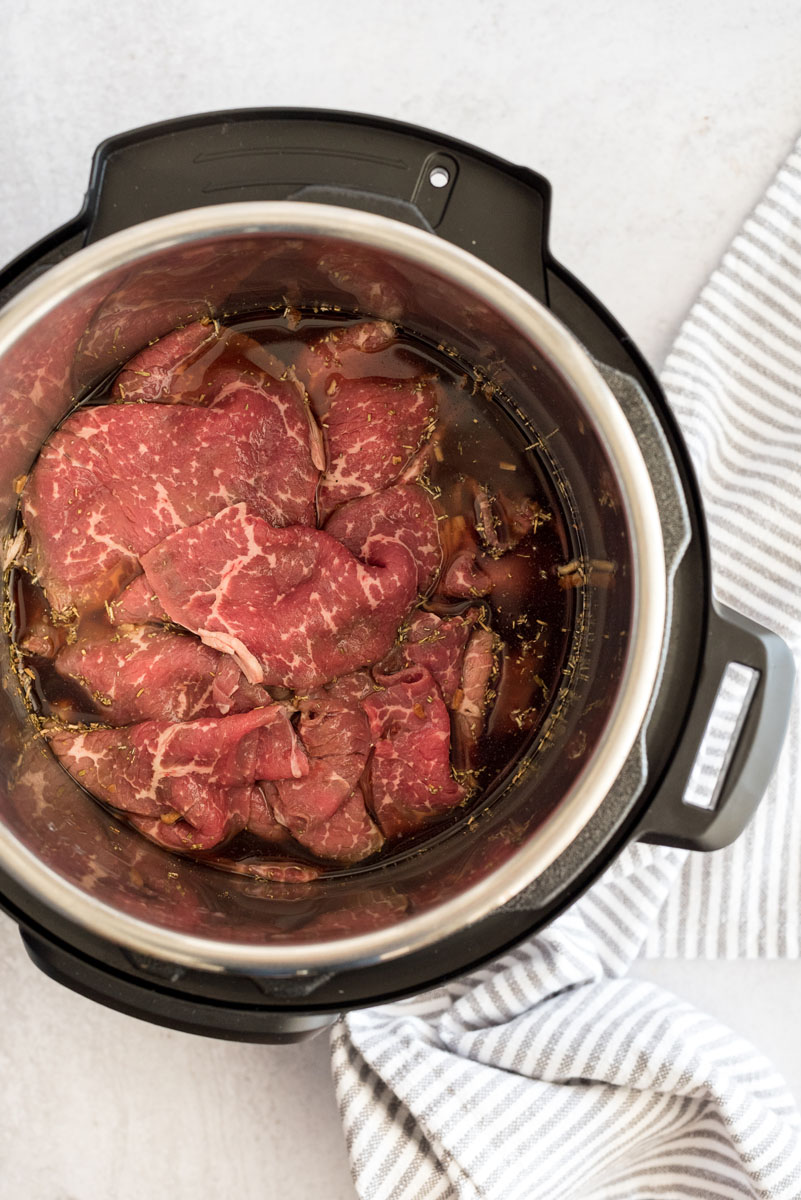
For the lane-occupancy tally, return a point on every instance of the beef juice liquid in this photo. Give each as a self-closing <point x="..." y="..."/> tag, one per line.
<point x="479" y="452"/>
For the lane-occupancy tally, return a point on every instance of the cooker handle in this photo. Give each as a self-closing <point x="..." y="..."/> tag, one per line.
<point x="489" y="207"/>
<point x="757" y="734"/>
<point x="156" y="998"/>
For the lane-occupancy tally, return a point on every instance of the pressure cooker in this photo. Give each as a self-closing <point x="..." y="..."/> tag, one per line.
<point x="241" y="211"/>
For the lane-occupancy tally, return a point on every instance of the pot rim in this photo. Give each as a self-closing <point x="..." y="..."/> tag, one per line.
<point x="532" y="320"/>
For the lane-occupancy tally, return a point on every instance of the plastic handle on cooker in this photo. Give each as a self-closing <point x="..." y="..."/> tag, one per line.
<point x="156" y="999"/>
<point x="492" y="208"/>
<point x="757" y="742"/>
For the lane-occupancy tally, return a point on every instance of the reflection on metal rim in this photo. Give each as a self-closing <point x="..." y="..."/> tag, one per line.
<point x="535" y="323"/>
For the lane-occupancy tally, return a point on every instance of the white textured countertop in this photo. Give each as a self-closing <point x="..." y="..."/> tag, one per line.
<point x="659" y="127"/>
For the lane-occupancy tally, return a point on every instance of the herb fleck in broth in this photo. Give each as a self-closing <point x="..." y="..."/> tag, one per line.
<point x="480" y="451"/>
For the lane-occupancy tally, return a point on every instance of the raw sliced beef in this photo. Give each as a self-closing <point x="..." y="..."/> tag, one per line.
<point x="336" y="735"/>
<point x="477" y="668"/>
<point x="293" y="606"/>
<point x="138" y="604"/>
<point x="510" y="577"/>
<point x="232" y="750"/>
<point x="332" y="721"/>
<point x="147" y="674"/>
<point x="261" y="819"/>
<point x="39" y="634"/>
<point x="438" y="644"/>
<point x="301" y="803"/>
<point x="462" y="574"/>
<point x="519" y="516"/>
<point x="403" y="513"/>
<point x="464" y="577"/>
<point x="39" y="642"/>
<point x="499" y="521"/>
<point x="116" y="480"/>
<point x="262" y="823"/>
<point x="470" y="703"/>
<point x="325" y="811"/>
<point x="193" y="777"/>
<point x="344" y="351"/>
<point x="430" y="452"/>
<point x="348" y="689"/>
<point x="159" y="372"/>
<point x="503" y="521"/>
<point x="410" y="775"/>
<point x="204" y="363"/>
<point x="348" y="836"/>
<point x="224" y="380"/>
<point x="374" y="414"/>
<point x="371" y="429"/>
<point x="203" y="816"/>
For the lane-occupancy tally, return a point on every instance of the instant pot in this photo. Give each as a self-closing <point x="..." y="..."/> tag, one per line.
<point x="247" y="211"/>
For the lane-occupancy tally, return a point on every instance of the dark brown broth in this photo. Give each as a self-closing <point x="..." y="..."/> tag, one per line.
<point x="528" y="609"/>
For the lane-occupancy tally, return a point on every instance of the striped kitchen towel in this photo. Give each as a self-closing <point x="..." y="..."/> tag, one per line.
<point x="548" y="1075"/>
<point x="734" y="381"/>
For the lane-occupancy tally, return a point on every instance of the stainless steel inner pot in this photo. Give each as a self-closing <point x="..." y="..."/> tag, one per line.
<point x="66" y="331"/>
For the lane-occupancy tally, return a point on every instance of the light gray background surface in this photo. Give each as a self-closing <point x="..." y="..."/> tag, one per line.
<point x="659" y="126"/>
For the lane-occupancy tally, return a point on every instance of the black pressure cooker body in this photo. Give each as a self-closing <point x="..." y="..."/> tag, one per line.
<point x="499" y="213"/>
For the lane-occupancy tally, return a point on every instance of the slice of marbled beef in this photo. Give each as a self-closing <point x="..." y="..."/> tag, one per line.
<point x="438" y="644"/>
<point x="151" y="674"/>
<point x="325" y="811"/>
<point x="186" y="784"/>
<point x="403" y="513"/>
<point x="116" y="479"/>
<point x="293" y="606"/>
<point x="162" y="371"/>
<point x="204" y="362"/>
<point x="410" y="772"/>
<point x="470" y="699"/>
<point x="373" y="424"/>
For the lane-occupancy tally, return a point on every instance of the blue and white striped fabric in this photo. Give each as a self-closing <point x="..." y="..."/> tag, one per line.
<point x="549" y="1075"/>
<point x="734" y="380"/>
